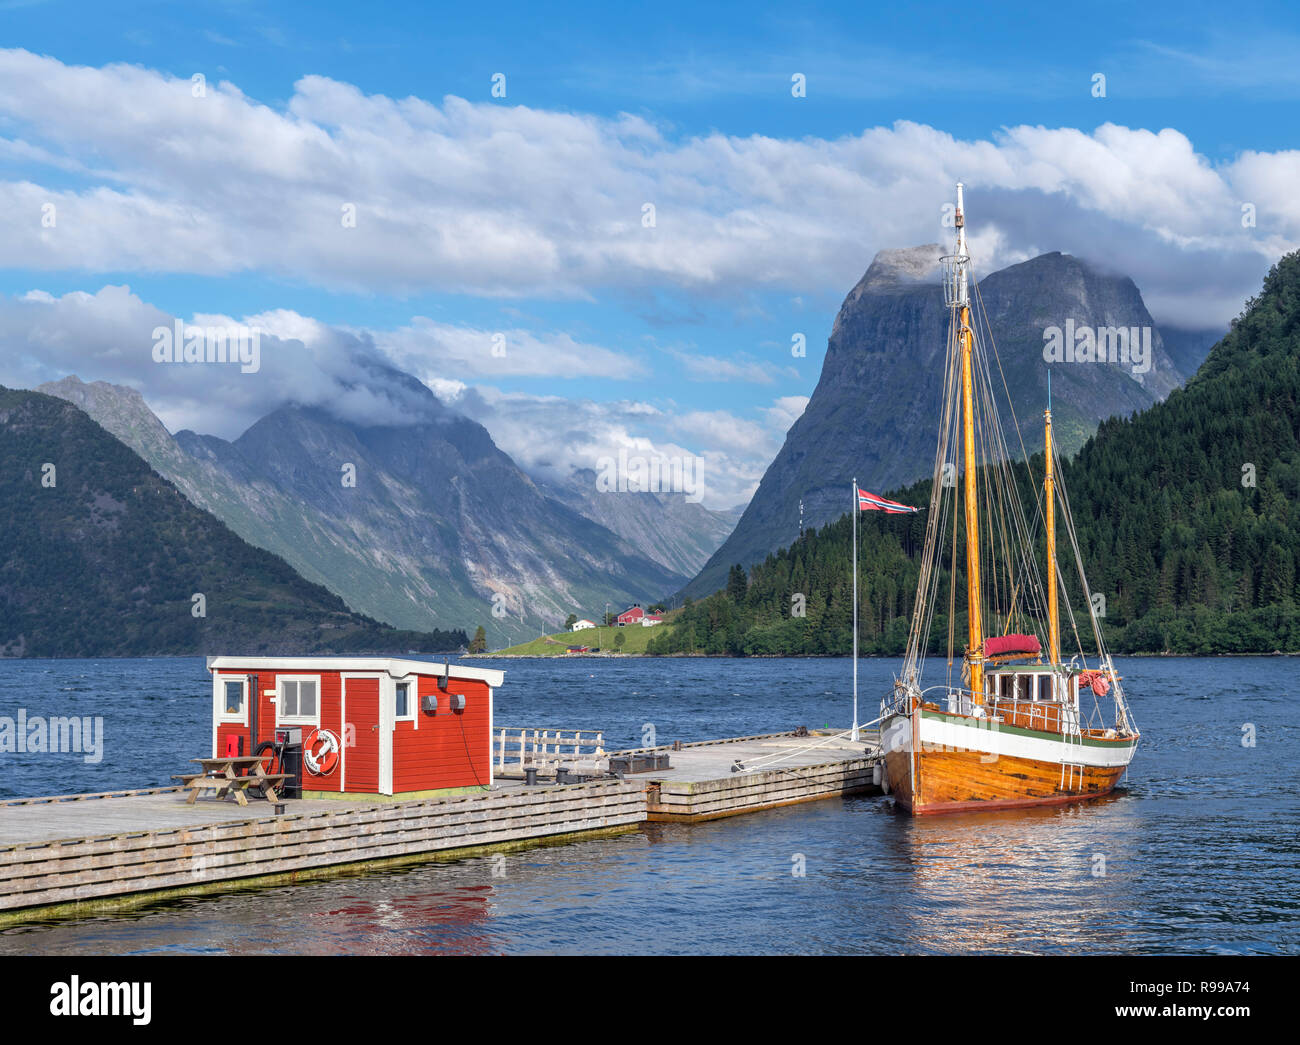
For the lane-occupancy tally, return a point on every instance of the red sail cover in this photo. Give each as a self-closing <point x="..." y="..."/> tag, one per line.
<point x="1001" y="645"/>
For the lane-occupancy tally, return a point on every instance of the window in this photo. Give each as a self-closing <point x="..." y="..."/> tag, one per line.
<point x="298" y="700"/>
<point x="404" y="701"/>
<point x="231" y="698"/>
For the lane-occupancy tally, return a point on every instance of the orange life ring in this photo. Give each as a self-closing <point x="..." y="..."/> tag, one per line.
<point x="321" y="762"/>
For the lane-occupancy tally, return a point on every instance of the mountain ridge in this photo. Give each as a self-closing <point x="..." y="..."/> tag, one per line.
<point x="102" y="556"/>
<point x="441" y="528"/>
<point x="873" y="414"/>
<point x="1185" y="514"/>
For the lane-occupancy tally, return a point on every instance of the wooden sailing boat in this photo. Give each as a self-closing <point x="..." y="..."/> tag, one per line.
<point x="1020" y="726"/>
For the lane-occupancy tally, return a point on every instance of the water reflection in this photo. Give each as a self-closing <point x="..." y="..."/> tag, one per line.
<point x="1014" y="881"/>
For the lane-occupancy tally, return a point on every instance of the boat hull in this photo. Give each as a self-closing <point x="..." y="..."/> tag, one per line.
<point x="937" y="762"/>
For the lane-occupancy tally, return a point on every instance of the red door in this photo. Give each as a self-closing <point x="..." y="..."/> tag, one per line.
<point x="361" y="736"/>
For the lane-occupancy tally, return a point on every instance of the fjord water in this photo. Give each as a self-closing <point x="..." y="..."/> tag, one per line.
<point x="1198" y="854"/>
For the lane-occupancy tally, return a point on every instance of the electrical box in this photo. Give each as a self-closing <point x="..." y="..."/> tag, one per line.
<point x="288" y="735"/>
<point x="429" y="702"/>
<point x="456" y="702"/>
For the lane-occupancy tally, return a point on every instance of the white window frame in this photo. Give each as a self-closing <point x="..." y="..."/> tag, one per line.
<point x="281" y="719"/>
<point x="412" y="701"/>
<point x="219" y="714"/>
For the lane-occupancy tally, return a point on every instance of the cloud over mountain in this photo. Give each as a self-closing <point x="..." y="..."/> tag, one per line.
<point x="498" y="199"/>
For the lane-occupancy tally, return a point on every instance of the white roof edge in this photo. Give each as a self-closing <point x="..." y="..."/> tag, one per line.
<point x="395" y="666"/>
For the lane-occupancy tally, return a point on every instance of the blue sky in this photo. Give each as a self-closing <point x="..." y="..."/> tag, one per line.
<point x="769" y="206"/>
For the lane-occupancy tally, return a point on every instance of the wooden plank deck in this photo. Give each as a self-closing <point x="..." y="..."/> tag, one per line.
<point x="71" y="855"/>
<point x="775" y="770"/>
<point x="105" y="817"/>
<point x="77" y="857"/>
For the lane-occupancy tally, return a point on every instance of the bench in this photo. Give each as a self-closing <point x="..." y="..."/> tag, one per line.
<point x="220" y="775"/>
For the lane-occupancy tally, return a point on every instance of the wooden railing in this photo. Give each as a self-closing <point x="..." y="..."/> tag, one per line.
<point x="1043" y="715"/>
<point x="519" y="746"/>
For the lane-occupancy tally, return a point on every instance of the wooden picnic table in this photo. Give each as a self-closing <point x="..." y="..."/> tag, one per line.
<point x="221" y="775"/>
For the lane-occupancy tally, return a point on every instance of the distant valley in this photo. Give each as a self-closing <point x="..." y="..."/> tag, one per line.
<point x="424" y="523"/>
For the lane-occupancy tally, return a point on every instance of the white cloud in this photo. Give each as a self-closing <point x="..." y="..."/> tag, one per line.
<point x="356" y="374"/>
<point x="552" y="436"/>
<point x="785" y="412"/>
<point x="435" y="351"/>
<point x="504" y="200"/>
<point x="110" y="336"/>
<point x="739" y="367"/>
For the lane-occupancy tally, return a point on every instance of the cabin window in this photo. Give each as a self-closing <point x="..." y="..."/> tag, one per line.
<point x="232" y="699"/>
<point x="404" y="701"/>
<point x="299" y="700"/>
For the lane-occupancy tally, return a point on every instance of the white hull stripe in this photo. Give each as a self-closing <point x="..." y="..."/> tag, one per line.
<point x="957" y="735"/>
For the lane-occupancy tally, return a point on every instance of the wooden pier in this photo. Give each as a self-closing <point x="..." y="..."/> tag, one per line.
<point x="75" y="855"/>
<point x="771" y="771"/>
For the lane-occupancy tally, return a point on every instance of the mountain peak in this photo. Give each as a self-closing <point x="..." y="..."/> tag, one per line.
<point x="899" y="267"/>
<point x="77" y="391"/>
<point x="874" y="412"/>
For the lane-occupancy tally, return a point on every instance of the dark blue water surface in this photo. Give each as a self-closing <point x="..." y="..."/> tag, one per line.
<point x="1199" y="849"/>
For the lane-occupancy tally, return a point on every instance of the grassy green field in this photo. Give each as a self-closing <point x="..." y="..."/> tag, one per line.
<point x="635" y="640"/>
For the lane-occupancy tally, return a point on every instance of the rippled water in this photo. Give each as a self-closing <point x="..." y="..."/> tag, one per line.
<point x="1199" y="849"/>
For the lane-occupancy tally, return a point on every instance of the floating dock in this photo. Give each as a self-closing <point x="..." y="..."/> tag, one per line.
<point x="79" y="854"/>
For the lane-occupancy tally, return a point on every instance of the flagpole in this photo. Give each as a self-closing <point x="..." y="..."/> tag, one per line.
<point x="855" y="609"/>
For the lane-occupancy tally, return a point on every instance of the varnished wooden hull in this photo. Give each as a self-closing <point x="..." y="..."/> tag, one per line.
<point x="960" y="767"/>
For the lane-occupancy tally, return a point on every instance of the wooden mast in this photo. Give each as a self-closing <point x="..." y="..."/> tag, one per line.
<point x="974" y="608"/>
<point x="1049" y="490"/>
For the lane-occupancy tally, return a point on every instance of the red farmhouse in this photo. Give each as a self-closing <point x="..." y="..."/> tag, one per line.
<point x="368" y="725"/>
<point x="632" y="616"/>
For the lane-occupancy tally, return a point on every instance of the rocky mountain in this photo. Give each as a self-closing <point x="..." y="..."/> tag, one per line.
<point x="1185" y="515"/>
<point x="678" y="534"/>
<point x="422" y="523"/>
<point x="874" y="413"/>
<point x="100" y="556"/>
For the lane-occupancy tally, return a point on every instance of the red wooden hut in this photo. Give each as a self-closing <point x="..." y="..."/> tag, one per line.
<point x="368" y="725"/>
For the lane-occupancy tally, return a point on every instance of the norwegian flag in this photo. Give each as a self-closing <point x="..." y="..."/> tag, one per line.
<point x="870" y="502"/>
